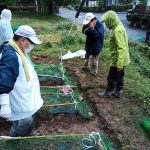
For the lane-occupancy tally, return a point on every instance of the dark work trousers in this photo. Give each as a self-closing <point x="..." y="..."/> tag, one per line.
<point x="115" y="79"/>
<point x="22" y="127"/>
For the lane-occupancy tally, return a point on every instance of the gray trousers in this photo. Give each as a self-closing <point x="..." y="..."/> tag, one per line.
<point x="91" y="63"/>
<point x="22" y="127"/>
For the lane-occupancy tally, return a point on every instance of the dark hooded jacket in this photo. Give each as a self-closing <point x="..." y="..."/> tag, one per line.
<point x="94" y="39"/>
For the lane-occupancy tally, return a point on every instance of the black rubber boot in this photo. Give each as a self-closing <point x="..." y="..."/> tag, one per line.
<point x="117" y="93"/>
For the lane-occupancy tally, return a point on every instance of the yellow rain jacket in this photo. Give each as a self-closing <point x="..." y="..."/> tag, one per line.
<point x="118" y="40"/>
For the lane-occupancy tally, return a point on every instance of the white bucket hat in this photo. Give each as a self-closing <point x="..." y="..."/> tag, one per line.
<point x="88" y="18"/>
<point x="6" y="15"/>
<point x="28" y="32"/>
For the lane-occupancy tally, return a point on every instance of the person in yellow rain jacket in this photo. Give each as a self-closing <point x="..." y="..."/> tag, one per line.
<point x="119" y="55"/>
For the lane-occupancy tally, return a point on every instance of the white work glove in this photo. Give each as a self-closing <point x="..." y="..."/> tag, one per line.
<point x="5" y="110"/>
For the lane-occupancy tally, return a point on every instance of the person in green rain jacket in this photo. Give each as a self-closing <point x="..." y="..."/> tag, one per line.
<point x="119" y="54"/>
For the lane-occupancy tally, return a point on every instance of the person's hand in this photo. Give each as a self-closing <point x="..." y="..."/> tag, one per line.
<point x="5" y="111"/>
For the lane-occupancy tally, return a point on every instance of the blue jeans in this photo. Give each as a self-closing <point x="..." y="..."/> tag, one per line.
<point x="22" y="127"/>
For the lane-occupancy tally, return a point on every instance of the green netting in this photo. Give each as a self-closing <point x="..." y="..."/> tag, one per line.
<point x="52" y="95"/>
<point x="49" y="69"/>
<point x="59" y="103"/>
<point x="54" y="142"/>
<point x="68" y="79"/>
<point x="57" y="72"/>
<point x="63" y="109"/>
<point x="54" y="76"/>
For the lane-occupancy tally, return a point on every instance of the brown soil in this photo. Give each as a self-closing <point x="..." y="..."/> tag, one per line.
<point x="65" y="124"/>
<point x="118" y="118"/>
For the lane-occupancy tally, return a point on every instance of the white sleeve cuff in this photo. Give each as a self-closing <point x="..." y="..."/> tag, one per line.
<point x="4" y="99"/>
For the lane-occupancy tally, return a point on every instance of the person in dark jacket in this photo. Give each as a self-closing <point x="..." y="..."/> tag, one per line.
<point x="94" y="32"/>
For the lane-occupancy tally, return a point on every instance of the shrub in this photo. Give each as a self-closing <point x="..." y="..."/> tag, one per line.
<point x="145" y="21"/>
<point x="136" y="20"/>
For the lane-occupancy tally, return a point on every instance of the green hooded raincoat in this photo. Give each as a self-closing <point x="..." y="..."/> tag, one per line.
<point x="118" y="40"/>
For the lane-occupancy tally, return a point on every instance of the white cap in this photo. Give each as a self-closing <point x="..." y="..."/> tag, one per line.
<point x="6" y="15"/>
<point x="88" y="18"/>
<point x="28" y="32"/>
